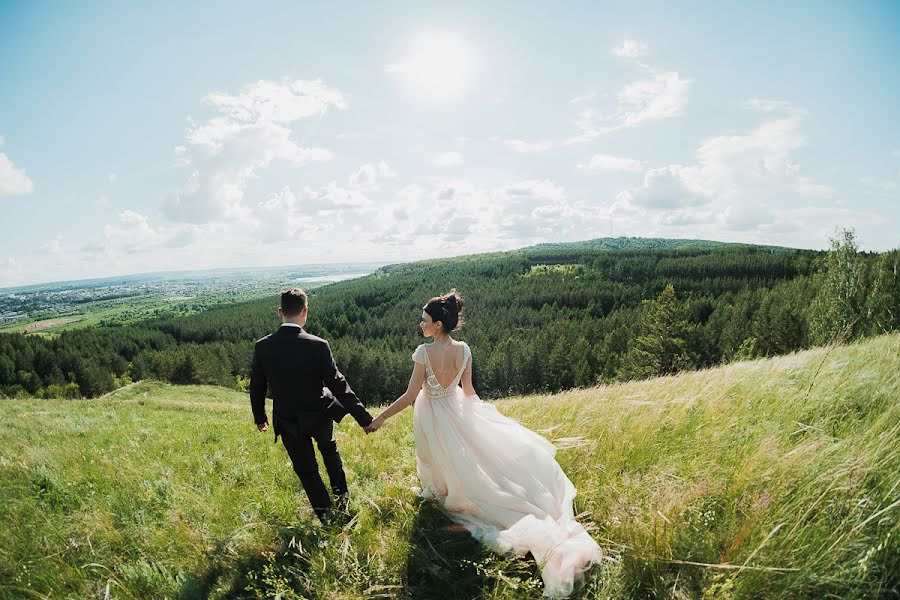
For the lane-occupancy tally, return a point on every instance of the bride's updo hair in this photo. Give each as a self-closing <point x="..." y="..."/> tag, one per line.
<point x="447" y="309"/>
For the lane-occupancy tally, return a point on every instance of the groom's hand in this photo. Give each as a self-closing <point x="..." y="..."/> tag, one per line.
<point x="374" y="425"/>
<point x="264" y="426"/>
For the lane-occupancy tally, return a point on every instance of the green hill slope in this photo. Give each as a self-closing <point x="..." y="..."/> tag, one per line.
<point x="639" y="243"/>
<point x="769" y="478"/>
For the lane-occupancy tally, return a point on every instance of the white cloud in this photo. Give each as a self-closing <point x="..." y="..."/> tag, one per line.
<point x="385" y="171"/>
<point x="533" y="190"/>
<point x="332" y="197"/>
<point x="281" y="218"/>
<point x="278" y="101"/>
<point x="660" y="96"/>
<point x="463" y="217"/>
<point x="739" y="182"/>
<point x="448" y="159"/>
<point x="766" y="105"/>
<point x="807" y="187"/>
<point x="534" y="211"/>
<point x="369" y="175"/>
<point x="583" y="98"/>
<point x="250" y="132"/>
<point x="112" y="177"/>
<point x="684" y="217"/>
<point x="182" y="158"/>
<point x="13" y="181"/>
<point x="631" y="49"/>
<point x="53" y="246"/>
<point x="409" y="196"/>
<point x="364" y="178"/>
<point x="528" y="209"/>
<point x="185" y="235"/>
<point x="524" y="146"/>
<point x="10" y="268"/>
<point x="883" y="185"/>
<point x="132" y="233"/>
<point x="607" y="162"/>
<point x="670" y="187"/>
<point x="817" y="223"/>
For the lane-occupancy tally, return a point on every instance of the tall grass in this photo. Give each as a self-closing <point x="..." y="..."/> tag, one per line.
<point x="763" y="479"/>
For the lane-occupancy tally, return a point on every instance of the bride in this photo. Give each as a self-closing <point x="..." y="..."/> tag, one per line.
<point x="495" y="477"/>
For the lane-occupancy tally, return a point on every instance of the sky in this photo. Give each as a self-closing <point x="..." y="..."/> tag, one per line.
<point x="138" y="137"/>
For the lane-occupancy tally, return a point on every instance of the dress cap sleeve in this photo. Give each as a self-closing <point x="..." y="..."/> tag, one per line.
<point x="419" y="355"/>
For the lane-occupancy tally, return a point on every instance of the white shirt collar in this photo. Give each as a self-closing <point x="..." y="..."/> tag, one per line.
<point x="291" y="325"/>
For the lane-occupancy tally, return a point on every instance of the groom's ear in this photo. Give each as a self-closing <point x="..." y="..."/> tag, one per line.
<point x="280" y="314"/>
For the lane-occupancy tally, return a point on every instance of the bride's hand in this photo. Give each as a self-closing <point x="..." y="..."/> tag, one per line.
<point x="375" y="424"/>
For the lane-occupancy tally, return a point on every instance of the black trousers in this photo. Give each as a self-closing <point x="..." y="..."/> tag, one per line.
<point x="298" y="441"/>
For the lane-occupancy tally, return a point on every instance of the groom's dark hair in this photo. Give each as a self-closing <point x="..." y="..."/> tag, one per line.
<point x="293" y="301"/>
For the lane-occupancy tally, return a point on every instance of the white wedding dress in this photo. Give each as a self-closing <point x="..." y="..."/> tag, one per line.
<point x="499" y="479"/>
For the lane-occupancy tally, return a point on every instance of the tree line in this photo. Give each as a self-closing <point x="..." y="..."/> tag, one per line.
<point x="541" y="319"/>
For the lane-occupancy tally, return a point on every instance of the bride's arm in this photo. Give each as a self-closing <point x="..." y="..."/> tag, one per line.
<point x="466" y="380"/>
<point x="409" y="396"/>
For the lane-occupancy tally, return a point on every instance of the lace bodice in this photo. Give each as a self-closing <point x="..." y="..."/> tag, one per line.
<point x="432" y="387"/>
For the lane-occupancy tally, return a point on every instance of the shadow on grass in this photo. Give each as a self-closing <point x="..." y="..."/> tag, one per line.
<point x="443" y="564"/>
<point x="439" y="564"/>
<point x="239" y="578"/>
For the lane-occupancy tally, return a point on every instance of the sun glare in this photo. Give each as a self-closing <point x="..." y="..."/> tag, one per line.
<point x="438" y="66"/>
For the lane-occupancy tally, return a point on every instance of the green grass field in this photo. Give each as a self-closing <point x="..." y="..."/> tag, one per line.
<point x="764" y="479"/>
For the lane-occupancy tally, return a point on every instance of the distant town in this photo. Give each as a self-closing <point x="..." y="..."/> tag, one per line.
<point x="53" y="305"/>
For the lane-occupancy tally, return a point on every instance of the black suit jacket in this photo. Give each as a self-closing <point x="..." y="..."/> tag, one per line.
<point x="305" y="382"/>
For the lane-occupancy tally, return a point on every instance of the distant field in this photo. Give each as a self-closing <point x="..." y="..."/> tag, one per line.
<point x="121" y="310"/>
<point x="136" y="308"/>
<point x="774" y="478"/>
<point x="58" y="323"/>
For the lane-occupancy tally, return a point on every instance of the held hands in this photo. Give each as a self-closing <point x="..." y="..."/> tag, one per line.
<point x="264" y="426"/>
<point x="374" y="425"/>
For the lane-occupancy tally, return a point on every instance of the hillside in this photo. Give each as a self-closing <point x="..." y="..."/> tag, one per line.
<point x="641" y="243"/>
<point x="758" y="479"/>
<point x="592" y="307"/>
<point x="541" y="320"/>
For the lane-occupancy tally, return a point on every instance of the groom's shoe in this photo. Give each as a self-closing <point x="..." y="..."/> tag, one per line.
<point x="341" y="511"/>
<point x="324" y="514"/>
<point x="341" y="502"/>
<point x="335" y="519"/>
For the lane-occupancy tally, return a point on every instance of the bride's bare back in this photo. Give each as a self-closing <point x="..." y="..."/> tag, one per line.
<point x="446" y="359"/>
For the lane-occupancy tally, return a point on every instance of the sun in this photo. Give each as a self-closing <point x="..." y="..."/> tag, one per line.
<point x="439" y="66"/>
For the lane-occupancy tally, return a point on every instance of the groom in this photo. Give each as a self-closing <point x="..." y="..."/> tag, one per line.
<point x="295" y="366"/>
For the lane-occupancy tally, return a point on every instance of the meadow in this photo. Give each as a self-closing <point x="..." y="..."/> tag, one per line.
<point x="769" y="478"/>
